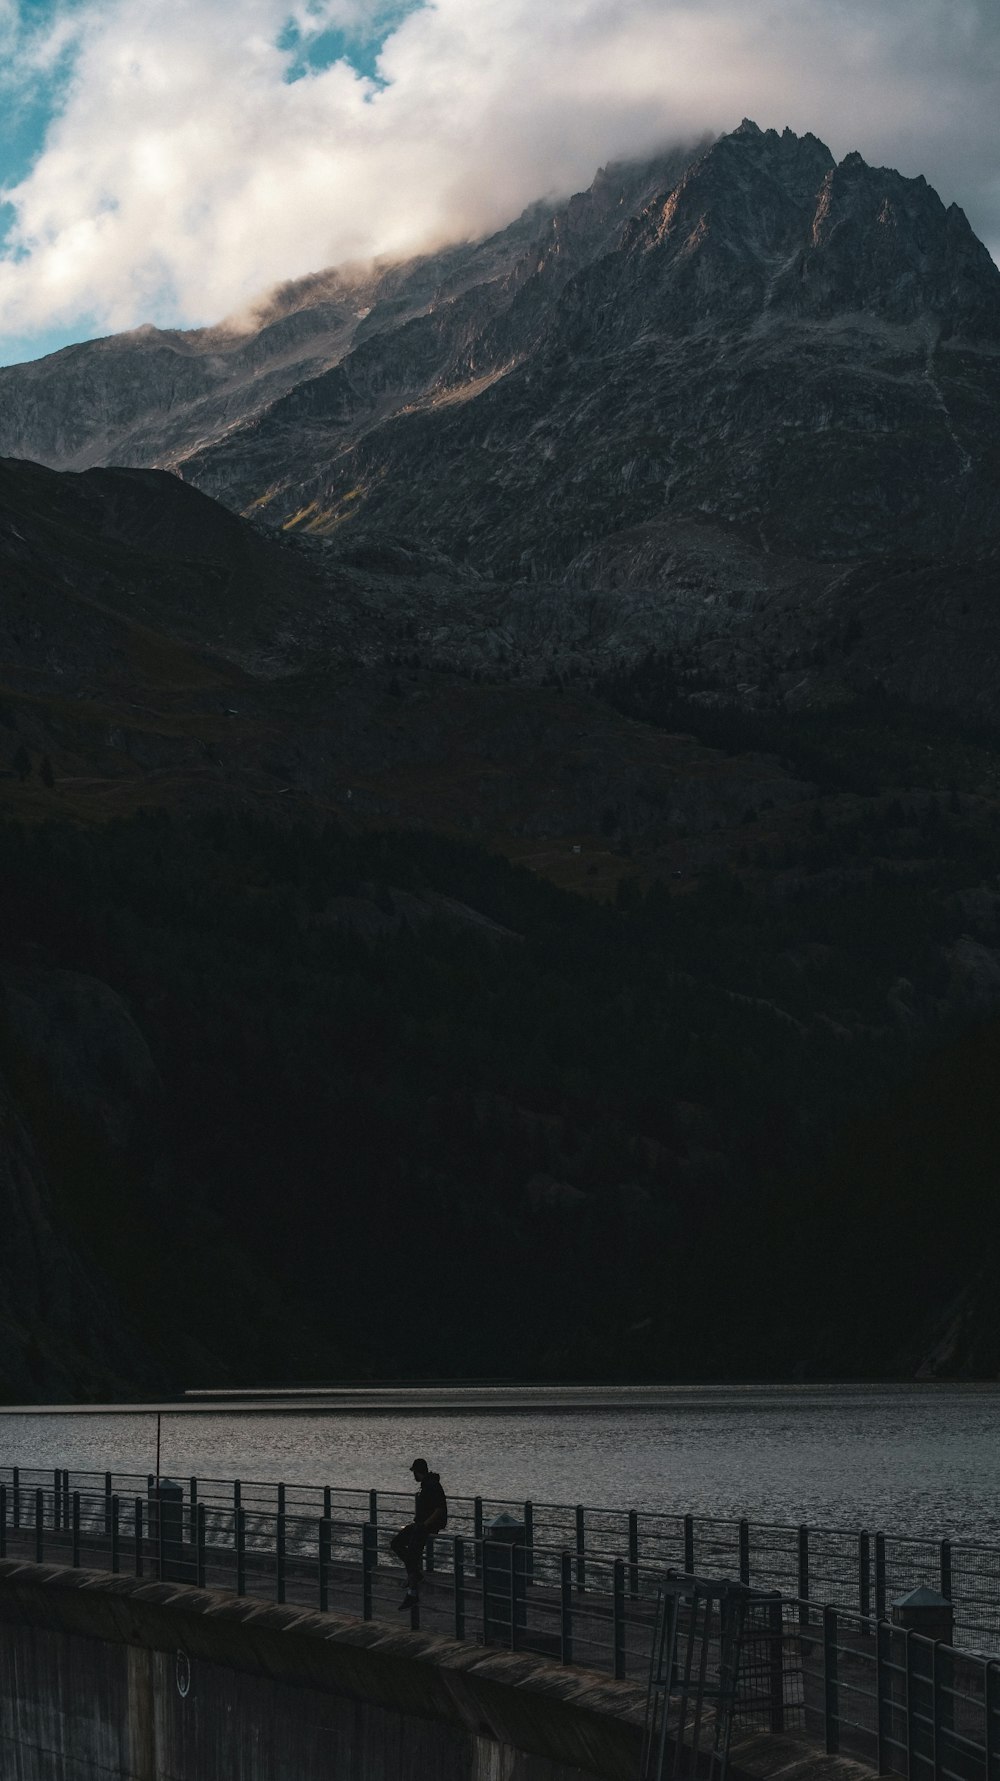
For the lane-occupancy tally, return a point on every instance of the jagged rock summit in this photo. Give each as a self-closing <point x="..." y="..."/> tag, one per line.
<point x="746" y="335"/>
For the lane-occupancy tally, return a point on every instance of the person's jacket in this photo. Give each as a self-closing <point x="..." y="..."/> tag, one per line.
<point x="431" y="1505"/>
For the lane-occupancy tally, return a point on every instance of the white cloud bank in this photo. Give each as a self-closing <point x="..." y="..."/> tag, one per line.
<point x="184" y="173"/>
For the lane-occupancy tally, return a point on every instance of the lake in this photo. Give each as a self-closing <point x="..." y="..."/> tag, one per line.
<point x="920" y="1460"/>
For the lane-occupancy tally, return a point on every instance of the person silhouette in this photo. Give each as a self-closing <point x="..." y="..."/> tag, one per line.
<point x="430" y="1516"/>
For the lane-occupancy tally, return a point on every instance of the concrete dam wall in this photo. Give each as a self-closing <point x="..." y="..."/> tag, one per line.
<point x="112" y="1678"/>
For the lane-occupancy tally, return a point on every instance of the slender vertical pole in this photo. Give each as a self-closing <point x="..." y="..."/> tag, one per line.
<point x="108" y="1493"/>
<point x="16" y="1505"/>
<point x="512" y="1560"/>
<point x="241" y="1551"/>
<point x="911" y="1704"/>
<point x="776" y="1665"/>
<point x="946" y="1569"/>
<point x="880" y="1577"/>
<point x="864" y="1575"/>
<point x="803" y="1575"/>
<point x="327" y="1503"/>
<point x="373" y="1522"/>
<point x="200" y="1545"/>
<point x="138" y="1536"/>
<point x="324" y="1565"/>
<point x="633" y="1555"/>
<point x="3" y="1521"/>
<point x="830" y="1717"/>
<point x="618" y="1612"/>
<point x="566" y="1608"/>
<point x="689" y="1545"/>
<point x="581" y="1547"/>
<point x="193" y="1494"/>
<point x="477" y="1533"/>
<point x="745" y="1552"/>
<point x="459" y="1563"/>
<point x="279" y="1554"/>
<point x="158" y="1446"/>
<point x="39" y="1528"/>
<point x="529" y="1539"/>
<point x="57" y="1500"/>
<point x="369" y="1554"/>
<point x="76" y="1530"/>
<point x="115" y="1553"/>
<point x="66" y="1498"/>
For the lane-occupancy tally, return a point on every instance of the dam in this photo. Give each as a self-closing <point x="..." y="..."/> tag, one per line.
<point x="189" y="1631"/>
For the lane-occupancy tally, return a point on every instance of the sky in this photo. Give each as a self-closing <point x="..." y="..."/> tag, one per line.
<point x="168" y="161"/>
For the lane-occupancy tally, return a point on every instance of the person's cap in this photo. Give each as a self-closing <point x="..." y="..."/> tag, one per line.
<point x="420" y="1465"/>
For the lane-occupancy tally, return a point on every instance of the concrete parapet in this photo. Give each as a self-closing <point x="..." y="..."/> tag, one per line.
<point x="113" y="1676"/>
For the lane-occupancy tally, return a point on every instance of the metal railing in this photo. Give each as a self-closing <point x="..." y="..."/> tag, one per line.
<point x="845" y="1679"/>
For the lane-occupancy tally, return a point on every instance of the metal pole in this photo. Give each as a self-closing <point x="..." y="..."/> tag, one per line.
<point x="241" y="1551"/>
<point x="803" y="1575"/>
<point x="57" y="1500"/>
<point x="66" y="1498"/>
<point x="279" y="1552"/>
<point x="745" y="1552"/>
<point x="108" y="1493"/>
<point x="566" y="1608"/>
<point x="200" y="1544"/>
<point x="325" y="1542"/>
<point x="39" y="1528"/>
<point x="459" y="1564"/>
<point x="633" y="1555"/>
<point x="864" y="1575"/>
<point x="193" y="1489"/>
<point x="880" y="1576"/>
<point x="830" y="1718"/>
<point x="16" y="1506"/>
<point x="581" y="1547"/>
<point x="529" y="1539"/>
<point x="689" y="1545"/>
<point x="76" y="1530"/>
<point x="618" y="1614"/>
<point x="115" y="1555"/>
<point x="3" y="1521"/>
<point x="138" y="1536"/>
<point x="369" y="1556"/>
<point x="776" y="1666"/>
<point x="477" y="1533"/>
<point x="946" y="1569"/>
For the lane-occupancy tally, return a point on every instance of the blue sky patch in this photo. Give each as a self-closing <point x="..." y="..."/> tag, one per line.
<point x="311" y="52"/>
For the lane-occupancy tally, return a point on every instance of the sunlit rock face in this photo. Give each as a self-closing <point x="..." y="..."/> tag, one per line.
<point x="748" y="337"/>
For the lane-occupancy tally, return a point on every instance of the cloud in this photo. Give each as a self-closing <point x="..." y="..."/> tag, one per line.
<point x="198" y="154"/>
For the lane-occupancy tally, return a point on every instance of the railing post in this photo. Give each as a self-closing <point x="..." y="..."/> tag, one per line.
<point x="911" y="1705"/>
<point x="108" y="1493"/>
<point x="76" y="1530"/>
<point x="200" y="1544"/>
<point x="529" y="1540"/>
<point x="830" y="1704"/>
<point x="946" y="1569"/>
<point x="193" y="1492"/>
<point x="991" y="1703"/>
<point x="512" y="1595"/>
<point x="618" y="1617"/>
<point x="803" y="1575"/>
<point x="327" y="1503"/>
<point x="776" y="1666"/>
<point x="3" y="1521"/>
<point x="373" y="1518"/>
<point x="325" y="1543"/>
<point x="581" y="1547"/>
<point x="138" y="1536"/>
<point x="477" y="1534"/>
<point x="459" y="1567"/>
<point x="66" y="1497"/>
<point x="883" y="1700"/>
<point x="241" y="1551"/>
<point x="369" y="1556"/>
<point x="565" y="1609"/>
<point x="279" y="1552"/>
<point x="880" y="1577"/>
<point x="114" y="1534"/>
<point x="57" y="1500"/>
<point x="745" y="1552"/>
<point x="689" y="1545"/>
<point x="633" y="1555"/>
<point x="864" y="1575"/>
<point x="16" y="1504"/>
<point x="39" y="1528"/>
